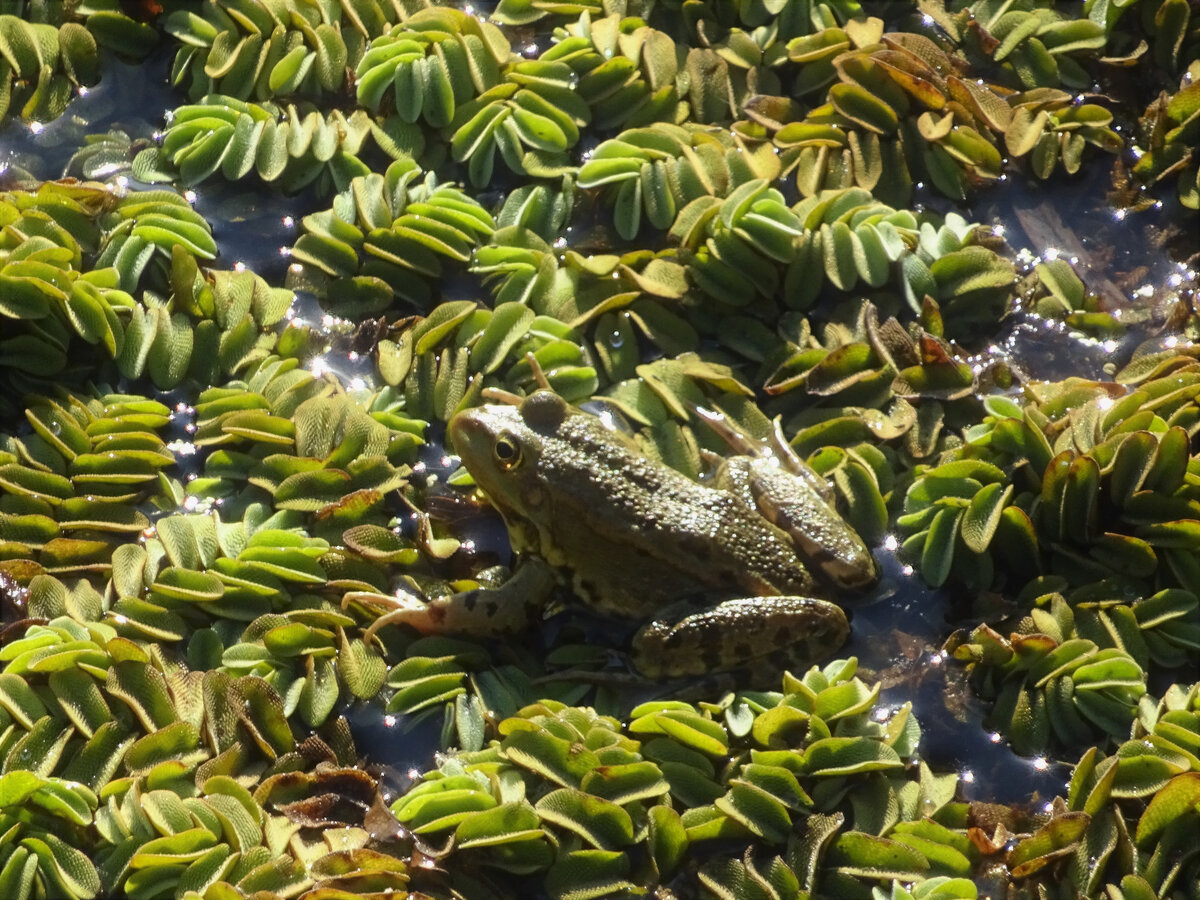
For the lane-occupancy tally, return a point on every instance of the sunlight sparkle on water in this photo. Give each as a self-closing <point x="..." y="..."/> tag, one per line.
<point x="891" y="543"/>
<point x="1041" y="764"/>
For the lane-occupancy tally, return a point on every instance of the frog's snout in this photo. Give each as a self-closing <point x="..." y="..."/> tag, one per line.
<point x="467" y="430"/>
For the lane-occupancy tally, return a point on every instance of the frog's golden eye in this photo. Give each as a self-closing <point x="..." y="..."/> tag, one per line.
<point x="507" y="451"/>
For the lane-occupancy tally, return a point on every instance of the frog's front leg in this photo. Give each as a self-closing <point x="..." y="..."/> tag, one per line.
<point x="823" y="538"/>
<point x="687" y="639"/>
<point x="510" y="608"/>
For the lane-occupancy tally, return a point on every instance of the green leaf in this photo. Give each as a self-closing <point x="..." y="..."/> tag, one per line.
<point x="601" y="823"/>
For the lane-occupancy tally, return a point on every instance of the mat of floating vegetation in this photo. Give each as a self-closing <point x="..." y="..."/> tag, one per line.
<point x="939" y="255"/>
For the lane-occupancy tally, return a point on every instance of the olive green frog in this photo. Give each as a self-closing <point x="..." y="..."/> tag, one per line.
<point x="718" y="575"/>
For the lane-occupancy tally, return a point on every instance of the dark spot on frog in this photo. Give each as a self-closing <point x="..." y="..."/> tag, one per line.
<point x="693" y="545"/>
<point x="673" y="639"/>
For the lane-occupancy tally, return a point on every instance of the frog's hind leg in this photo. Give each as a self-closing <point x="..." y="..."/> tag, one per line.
<point x="686" y="639"/>
<point x="484" y="612"/>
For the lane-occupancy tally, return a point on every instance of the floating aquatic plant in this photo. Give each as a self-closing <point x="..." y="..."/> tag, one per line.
<point x="49" y="51"/>
<point x="197" y="584"/>
<point x="388" y="237"/>
<point x="262" y="51"/>
<point x="1170" y="130"/>
<point x="294" y="145"/>
<point x="71" y="256"/>
<point x="571" y="794"/>
<point x="429" y="65"/>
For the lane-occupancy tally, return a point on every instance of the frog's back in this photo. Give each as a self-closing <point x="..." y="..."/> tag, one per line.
<point x="636" y="533"/>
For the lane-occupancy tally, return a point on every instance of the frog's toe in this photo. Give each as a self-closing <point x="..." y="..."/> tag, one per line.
<point x="687" y="640"/>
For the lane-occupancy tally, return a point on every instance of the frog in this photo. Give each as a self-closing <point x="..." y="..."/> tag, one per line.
<point x="715" y="576"/>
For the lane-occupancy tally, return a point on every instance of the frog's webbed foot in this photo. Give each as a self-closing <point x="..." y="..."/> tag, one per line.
<point x="686" y="639"/>
<point x="483" y="612"/>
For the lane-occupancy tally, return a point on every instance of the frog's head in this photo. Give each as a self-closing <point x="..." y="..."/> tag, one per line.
<point x="501" y="446"/>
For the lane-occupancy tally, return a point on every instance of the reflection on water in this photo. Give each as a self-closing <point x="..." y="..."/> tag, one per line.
<point x="1141" y="265"/>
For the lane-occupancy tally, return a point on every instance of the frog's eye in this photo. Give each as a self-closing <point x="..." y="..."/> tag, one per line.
<point x="507" y="451"/>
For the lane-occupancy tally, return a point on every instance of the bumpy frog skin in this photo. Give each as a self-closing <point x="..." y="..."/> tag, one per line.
<point x="721" y="575"/>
